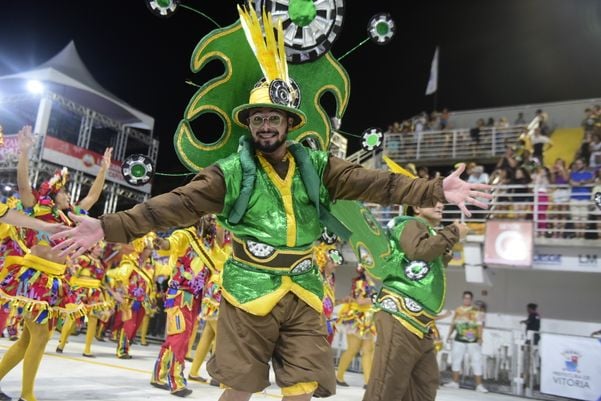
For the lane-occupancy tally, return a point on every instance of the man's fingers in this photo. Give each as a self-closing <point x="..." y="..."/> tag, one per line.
<point x="79" y="252"/>
<point x="69" y="233"/>
<point x="70" y="249"/>
<point x="478" y="194"/>
<point x="477" y="203"/>
<point x="76" y="217"/>
<point x="463" y="209"/>
<point x="482" y="187"/>
<point x="460" y="169"/>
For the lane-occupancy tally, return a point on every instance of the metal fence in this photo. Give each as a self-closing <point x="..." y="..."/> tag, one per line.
<point x="552" y="208"/>
<point x="444" y="147"/>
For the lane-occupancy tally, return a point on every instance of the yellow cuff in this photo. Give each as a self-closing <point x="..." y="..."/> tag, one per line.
<point x="299" y="389"/>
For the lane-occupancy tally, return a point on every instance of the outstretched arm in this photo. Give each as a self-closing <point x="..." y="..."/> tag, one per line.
<point x="15" y="218"/>
<point x="346" y="180"/>
<point x="96" y="189"/>
<point x="25" y="144"/>
<point x="181" y="207"/>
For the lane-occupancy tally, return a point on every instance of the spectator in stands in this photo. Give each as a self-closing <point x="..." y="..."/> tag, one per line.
<point x="527" y="161"/>
<point x="561" y="196"/>
<point x="467" y="322"/>
<point x="596" y="210"/>
<point x="595" y="150"/>
<point x="588" y="124"/>
<point x="538" y="144"/>
<point x="501" y="178"/>
<point x="543" y="121"/>
<point x="444" y="119"/>
<point x="580" y="198"/>
<point x="533" y="321"/>
<point x="503" y="123"/>
<point x="541" y="180"/>
<point x="491" y="122"/>
<point x="423" y="172"/>
<point x="475" y="134"/>
<point x="520" y="119"/>
<point x="508" y="161"/>
<point x="478" y="175"/>
<point x="522" y="194"/>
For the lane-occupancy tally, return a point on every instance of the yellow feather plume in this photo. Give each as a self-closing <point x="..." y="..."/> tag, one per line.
<point x="268" y="49"/>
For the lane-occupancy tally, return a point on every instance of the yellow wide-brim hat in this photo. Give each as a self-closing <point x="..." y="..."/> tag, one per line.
<point x="259" y="98"/>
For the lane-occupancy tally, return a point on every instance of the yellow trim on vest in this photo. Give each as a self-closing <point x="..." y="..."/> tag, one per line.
<point x="284" y="187"/>
<point x="265" y="304"/>
<point x="299" y="389"/>
<point x="408" y="326"/>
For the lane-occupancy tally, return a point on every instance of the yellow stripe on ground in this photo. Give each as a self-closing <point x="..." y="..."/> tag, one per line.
<point x="566" y="142"/>
<point x="110" y="365"/>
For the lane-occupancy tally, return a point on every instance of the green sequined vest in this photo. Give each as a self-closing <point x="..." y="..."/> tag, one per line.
<point x="424" y="283"/>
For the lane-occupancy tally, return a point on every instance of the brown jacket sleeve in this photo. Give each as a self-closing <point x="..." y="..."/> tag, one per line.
<point x="350" y="181"/>
<point x="181" y="207"/>
<point x="419" y="245"/>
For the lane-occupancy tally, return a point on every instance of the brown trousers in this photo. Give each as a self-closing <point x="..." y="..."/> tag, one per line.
<point x="405" y="367"/>
<point x="293" y="336"/>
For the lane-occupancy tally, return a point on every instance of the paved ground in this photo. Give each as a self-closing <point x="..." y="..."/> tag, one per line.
<point x="72" y="377"/>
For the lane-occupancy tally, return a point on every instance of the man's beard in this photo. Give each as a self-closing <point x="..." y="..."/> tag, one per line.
<point x="268" y="148"/>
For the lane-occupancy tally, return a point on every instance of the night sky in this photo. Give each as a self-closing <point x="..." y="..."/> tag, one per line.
<point x="493" y="53"/>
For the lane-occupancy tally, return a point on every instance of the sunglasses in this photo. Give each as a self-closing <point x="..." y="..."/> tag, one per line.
<point x="257" y="120"/>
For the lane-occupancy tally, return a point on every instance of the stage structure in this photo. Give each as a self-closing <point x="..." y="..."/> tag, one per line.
<point x="74" y="119"/>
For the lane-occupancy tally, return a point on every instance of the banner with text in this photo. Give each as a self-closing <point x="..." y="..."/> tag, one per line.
<point x="72" y="156"/>
<point x="567" y="258"/>
<point x="571" y="366"/>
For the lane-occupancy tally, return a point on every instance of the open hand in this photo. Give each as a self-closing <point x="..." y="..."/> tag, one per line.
<point x="458" y="192"/>
<point x="25" y="137"/>
<point x="80" y="238"/>
<point x="106" y="158"/>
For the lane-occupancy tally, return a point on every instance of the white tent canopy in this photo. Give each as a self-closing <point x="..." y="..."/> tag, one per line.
<point x="67" y="75"/>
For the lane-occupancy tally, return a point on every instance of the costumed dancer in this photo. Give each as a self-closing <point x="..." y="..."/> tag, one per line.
<point x="357" y="317"/>
<point x="328" y="258"/>
<point x="413" y="293"/>
<point x="274" y="197"/>
<point x="220" y="250"/>
<point x="189" y="261"/>
<point x="11" y="244"/>
<point x="209" y="238"/>
<point x="136" y="274"/>
<point x="89" y="288"/>
<point x="35" y="283"/>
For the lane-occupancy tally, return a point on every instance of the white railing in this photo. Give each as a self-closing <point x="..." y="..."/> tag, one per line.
<point x="440" y="146"/>
<point x="449" y="145"/>
<point x="551" y="209"/>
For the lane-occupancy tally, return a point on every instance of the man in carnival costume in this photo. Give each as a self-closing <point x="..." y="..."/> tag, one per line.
<point x="274" y="197"/>
<point x="414" y="283"/>
<point x="34" y="284"/>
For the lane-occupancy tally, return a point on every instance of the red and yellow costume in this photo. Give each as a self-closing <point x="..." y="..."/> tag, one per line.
<point x="88" y="288"/>
<point x="189" y="260"/>
<point x="136" y="277"/>
<point x="211" y="298"/>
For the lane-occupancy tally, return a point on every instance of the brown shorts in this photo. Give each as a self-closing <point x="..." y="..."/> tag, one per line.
<point x="404" y="367"/>
<point x="293" y="336"/>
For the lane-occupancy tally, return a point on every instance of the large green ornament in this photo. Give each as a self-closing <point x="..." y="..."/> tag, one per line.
<point x="222" y="94"/>
<point x="369" y="240"/>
